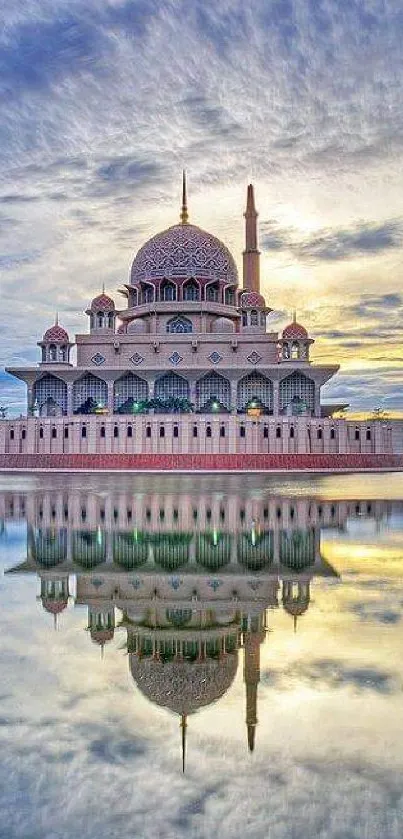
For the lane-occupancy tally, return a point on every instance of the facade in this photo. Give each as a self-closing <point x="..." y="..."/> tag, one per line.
<point x="188" y="366"/>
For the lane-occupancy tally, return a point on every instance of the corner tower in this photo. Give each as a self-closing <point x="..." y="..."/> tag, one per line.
<point x="251" y="254"/>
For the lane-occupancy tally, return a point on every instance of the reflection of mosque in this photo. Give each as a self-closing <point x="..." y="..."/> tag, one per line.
<point x="191" y="576"/>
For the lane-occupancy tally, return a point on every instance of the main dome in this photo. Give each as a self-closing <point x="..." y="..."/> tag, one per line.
<point x="183" y="251"/>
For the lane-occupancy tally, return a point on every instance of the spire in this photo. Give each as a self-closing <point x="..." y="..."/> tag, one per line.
<point x="55" y="622"/>
<point x="294" y="315"/>
<point x="184" y="726"/>
<point x="103" y="288"/>
<point x="251" y="255"/>
<point x="251" y="736"/>
<point x="295" y="624"/>
<point x="184" y="211"/>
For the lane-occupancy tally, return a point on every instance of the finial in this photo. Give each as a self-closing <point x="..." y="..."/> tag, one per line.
<point x="102" y="650"/>
<point x="57" y="319"/>
<point x="294" y="315"/>
<point x="184" y="726"/>
<point x="184" y="211"/>
<point x="295" y="624"/>
<point x="55" y="622"/>
<point x="103" y="288"/>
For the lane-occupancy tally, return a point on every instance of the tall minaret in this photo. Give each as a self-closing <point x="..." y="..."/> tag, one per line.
<point x="251" y="254"/>
<point x="253" y="637"/>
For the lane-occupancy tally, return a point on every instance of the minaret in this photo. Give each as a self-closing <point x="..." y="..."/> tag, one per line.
<point x="184" y="210"/>
<point x="251" y="677"/>
<point x="251" y="254"/>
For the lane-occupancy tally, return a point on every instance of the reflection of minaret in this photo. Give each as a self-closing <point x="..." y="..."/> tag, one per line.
<point x="251" y="255"/>
<point x="184" y="726"/>
<point x="253" y="637"/>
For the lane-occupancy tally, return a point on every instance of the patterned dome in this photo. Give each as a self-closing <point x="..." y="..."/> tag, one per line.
<point x="102" y="636"/>
<point x="184" y="686"/>
<point x="56" y="334"/>
<point x="182" y="251"/>
<point x="102" y="303"/>
<point x="295" y="330"/>
<point x="252" y="300"/>
<point x="296" y="607"/>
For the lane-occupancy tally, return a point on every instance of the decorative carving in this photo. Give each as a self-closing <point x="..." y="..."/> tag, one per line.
<point x="215" y="357"/>
<point x="175" y="358"/>
<point x="254" y="357"/>
<point x="136" y="358"/>
<point x="98" y="359"/>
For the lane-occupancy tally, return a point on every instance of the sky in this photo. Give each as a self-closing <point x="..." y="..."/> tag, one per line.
<point x="103" y="103"/>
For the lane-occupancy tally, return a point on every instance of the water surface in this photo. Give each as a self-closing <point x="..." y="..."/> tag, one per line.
<point x="246" y="630"/>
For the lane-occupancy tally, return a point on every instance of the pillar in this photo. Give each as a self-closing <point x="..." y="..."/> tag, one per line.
<point x="276" y="398"/>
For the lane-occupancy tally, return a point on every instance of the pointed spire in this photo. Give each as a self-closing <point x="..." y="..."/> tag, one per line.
<point x="295" y="624"/>
<point x="184" y="726"/>
<point x="103" y="288"/>
<point x="55" y="622"/>
<point x="102" y="650"/>
<point x="250" y="202"/>
<point x="251" y="736"/>
<point x="184" y="211"/>
<point x="294" y="315"/>
<point x="57" y="319"/>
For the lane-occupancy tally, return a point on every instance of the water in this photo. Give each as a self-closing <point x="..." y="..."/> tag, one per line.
<point x="247" y="630"/>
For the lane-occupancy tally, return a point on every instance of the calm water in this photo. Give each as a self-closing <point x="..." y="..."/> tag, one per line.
<point x="245" y="630"/>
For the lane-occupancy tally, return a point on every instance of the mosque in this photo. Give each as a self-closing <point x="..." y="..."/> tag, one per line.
<point x="193" y="579"/>
<point x="188" y="366"/>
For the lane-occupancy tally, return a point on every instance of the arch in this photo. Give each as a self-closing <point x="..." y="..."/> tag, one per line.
<point x="171" y="386"/>
<point x="168" y="291"/>
<point x="255" y="550"/>
<point x="50" y="395"/>
<point x="213" y="549"/>
<point x="297" y="549"/>
<point x="213" y="388"/>
<point x="88" y="392"/>
<point x="298" y="392"/>
<point x="230" y="296"/>
<point x="179" y="324"/>
<point x="49" y="546"/>
<point x="190" y="290"/>
<point x="225" y="325"/>
<point x="148" y="293"/>
<point x="88" y="547"/>
<point x="255" y="386"/>
<point x="171" y="550"/>
<point x="212" y="292"/>
<point x="178" y="617"/>
<point x="129" y="392"/>
<point x="130" y="549"/>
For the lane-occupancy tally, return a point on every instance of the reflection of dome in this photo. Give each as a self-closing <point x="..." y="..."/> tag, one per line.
<point x="101" y="636"/>
<point x="182" y="251"/>
<point x="296" y="607"/>
<point x="184" y="686"/>
<point x="57" y="334"/>
<point x="252" y="300"/>
<point x="102" y="303"/>
<point x="295" y="330"/>
<point x="54" y="606"/>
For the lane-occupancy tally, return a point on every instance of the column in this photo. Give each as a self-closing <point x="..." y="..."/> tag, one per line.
<point x="110" y="397"/>
<point x="69" y="398"/>
<point x="317" y="400"/>
<point x="234" y="395"/>
<point x="276" y="398"/>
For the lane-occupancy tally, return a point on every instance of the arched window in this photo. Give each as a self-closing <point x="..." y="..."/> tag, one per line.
<point x="148" y="294"/>
<point x="295" y="351"/>
<point x="88" y="393"/>
<point x="255" y="386"/>
<point x="171" y="386"/>
<point x="292" y="432"/>
<point x="244" y="318"/>
<point x="213" y="393"/>
<point x="111" y="320"/>
<point x="50" y="395"/>
<point x="179" y="324"/>
<point x="254" y="318"/>
<point x="100" y="320"/>
<point x="191" y="291"/>
<point x="298" y="392"/>
<point x="212" y="293"/>
<point x="167" y="292"/>
<point x="230" y="296"/>
<point x="52" y="352"/>
<point x="128" y="393"/>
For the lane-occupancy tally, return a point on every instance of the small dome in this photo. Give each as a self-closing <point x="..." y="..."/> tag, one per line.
<point x="184" y="686"/>
<point x="295" y="330"/>
<point x="56" y="334"/>
<point x="222" y="325"/>
<point x="102" y="636"/>
<point x="252" y="300"/>
<point x="137" y="327"/>
<point x="102" y="303"/>
<point x="296" y="607"/>
<point x="183" y="251"/>
<point x="54" y="606"/>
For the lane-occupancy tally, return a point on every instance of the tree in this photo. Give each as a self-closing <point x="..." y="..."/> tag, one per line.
<point x="3" y="412"/>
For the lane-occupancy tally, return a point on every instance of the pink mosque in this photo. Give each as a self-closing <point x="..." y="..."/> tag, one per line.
<point x="187" y="375"/>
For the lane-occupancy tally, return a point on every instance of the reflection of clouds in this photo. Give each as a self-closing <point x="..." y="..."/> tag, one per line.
<point x="323" y="674"/>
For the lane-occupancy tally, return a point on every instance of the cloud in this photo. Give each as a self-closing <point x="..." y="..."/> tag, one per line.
<point x="364" y="239"/>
